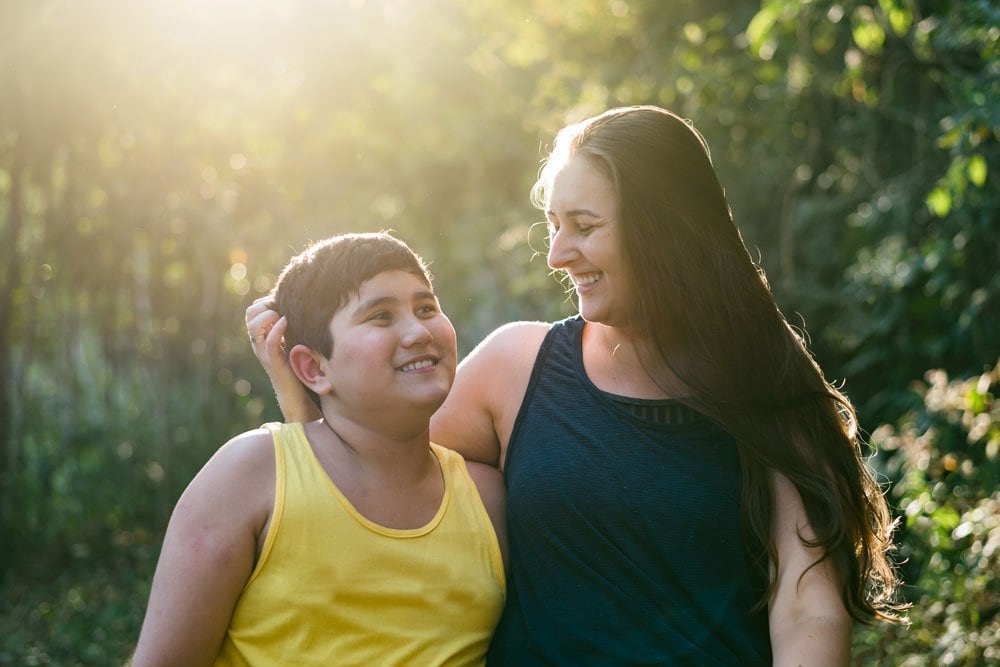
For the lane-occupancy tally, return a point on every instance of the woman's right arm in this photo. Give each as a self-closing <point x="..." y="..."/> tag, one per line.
<point x="478" y="416"/>
<point x="263" y="320"/>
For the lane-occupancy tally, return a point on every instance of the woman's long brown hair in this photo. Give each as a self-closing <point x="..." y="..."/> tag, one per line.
<point x="707" y="315"/>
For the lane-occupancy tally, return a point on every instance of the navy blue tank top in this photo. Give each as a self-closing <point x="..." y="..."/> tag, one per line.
<point x="625" y="541"/>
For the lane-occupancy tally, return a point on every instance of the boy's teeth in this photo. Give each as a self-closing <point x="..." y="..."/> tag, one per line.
<point x="417" y="365"/>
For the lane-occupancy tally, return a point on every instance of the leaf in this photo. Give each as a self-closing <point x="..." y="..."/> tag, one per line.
<point x="899" y="15"/>
<point x="900" y="19"/>
<point x="868" y="34"/>
<point x="977" y="170"/>
<point x="939" y="201"/>
<point x="759" y="28"/>
<point x="946" y="518"/>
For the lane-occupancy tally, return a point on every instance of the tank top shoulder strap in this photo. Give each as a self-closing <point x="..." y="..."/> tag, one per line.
<point x="447" y="458"/>
<point x="559" y="341"/>
<point x="280" y="436"/>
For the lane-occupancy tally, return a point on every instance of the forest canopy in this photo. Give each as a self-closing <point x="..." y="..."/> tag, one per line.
<point x="159" y="161"/>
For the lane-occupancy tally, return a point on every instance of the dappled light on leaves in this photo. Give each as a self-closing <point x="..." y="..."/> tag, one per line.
<point x="160" y="160"/>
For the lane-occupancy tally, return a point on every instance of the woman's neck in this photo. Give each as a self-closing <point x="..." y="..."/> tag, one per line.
<point x="619" y="362"/>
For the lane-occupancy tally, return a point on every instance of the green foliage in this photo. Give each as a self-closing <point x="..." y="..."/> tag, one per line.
<point x="160" y="161"/>
<point x="87" y="614"/>
<point x="891" y="185"/>
<point x="944" y="457"/>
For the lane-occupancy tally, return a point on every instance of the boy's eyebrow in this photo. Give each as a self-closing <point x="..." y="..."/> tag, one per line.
<point x="424" y="294"/>
<point x="377" y="301"/>
<point x="374" y="303"/>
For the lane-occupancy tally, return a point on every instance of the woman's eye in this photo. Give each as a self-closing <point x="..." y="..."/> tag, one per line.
<point x="585" y="229"/>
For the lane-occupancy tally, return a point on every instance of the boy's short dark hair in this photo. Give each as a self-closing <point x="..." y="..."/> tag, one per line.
<point x="317" y="282"/>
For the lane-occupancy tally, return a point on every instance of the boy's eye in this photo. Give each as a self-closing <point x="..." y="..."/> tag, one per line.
<point x="382" y="315"/>
<point x="427" y="309"/>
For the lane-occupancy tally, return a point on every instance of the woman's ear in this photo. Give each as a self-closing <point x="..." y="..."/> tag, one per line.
<point x="306" y="365"/>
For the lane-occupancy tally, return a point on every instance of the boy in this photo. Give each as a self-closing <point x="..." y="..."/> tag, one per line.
<point x="351" y="539"/>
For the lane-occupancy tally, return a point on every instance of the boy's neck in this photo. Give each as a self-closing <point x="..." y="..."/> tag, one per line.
<point x="392" y="479"/>
<point x="392" y="449"/>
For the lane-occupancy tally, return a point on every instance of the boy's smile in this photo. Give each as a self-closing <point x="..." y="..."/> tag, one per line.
<point x="393" y="347"/>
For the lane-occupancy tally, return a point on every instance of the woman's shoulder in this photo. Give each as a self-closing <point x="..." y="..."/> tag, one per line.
<point x="525" y="333"/>
<point x="511" y="341"/>
<point x="515" y="331"/>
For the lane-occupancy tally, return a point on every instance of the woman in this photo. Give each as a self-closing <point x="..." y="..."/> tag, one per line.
<point x="684" y="486"/>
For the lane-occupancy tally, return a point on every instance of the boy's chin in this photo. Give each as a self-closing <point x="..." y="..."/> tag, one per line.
<point x="432" y="403"/>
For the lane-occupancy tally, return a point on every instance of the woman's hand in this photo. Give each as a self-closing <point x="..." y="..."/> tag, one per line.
<point x="266" y="329"/>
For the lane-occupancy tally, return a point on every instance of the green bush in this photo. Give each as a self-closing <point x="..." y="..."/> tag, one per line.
<point x="944" y="459"/>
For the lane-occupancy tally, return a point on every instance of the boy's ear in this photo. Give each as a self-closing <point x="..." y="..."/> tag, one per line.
<point x="306" y="365"/>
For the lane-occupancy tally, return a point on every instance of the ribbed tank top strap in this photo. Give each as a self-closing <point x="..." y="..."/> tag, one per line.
<point x="295" y="472"/>
<point x="537" y="370"/>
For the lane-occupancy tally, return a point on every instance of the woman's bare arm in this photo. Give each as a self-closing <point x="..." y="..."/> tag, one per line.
<point x="809" y="623"/>
<point x="477" y="418"/>
<point x="263" y="321"/>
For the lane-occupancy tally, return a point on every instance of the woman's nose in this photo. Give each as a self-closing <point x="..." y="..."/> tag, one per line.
<point x="561" y="249"/>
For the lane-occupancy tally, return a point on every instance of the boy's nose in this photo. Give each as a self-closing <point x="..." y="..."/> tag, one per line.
<point x="417" y="333"/>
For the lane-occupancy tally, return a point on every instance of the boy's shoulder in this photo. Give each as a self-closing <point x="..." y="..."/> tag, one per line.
<point x="247" y="449"/>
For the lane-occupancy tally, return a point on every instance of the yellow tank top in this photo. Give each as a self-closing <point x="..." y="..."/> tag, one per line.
<point x="333" y="588"/>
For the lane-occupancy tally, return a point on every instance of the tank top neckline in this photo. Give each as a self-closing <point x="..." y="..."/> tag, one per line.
<point x="399" y="533"/>
<point x="629" y="406"/>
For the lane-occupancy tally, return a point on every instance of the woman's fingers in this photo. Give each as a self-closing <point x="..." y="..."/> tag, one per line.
<point x="266" y="330"/>
<point x="273" y="344"/>
<point x="260" y="325"/>
<point x="261" y="318"/>
<point x="260" y="305"/>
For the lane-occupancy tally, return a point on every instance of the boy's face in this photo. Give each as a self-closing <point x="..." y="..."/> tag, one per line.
<point x="392" y="347"/>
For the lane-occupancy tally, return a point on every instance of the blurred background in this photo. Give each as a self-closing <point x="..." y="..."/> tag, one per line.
<point x="160" y="160"/>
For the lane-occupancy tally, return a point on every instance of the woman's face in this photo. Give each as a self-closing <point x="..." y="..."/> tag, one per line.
<point x="585" y="240"/>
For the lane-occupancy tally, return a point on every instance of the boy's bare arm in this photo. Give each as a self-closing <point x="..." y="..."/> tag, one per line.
<point x="208" y="554"/>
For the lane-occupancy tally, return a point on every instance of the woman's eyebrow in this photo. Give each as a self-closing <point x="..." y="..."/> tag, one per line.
<point x="576" y="212"/>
